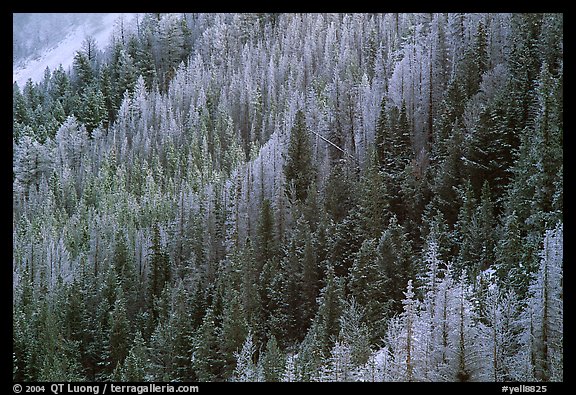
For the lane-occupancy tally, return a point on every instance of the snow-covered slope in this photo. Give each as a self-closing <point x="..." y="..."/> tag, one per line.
<point x="63" y="53"/>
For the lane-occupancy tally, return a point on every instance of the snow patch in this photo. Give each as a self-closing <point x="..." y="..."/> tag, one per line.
<point x="63" y="53"/>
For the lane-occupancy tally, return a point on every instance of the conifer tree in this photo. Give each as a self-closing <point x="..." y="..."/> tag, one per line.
<point x="298" y="168"/>
<point x="136" y="362"/>
<point x="120" y="338"/>
<point x="543" y="317"/>
<point x="273" y="361"/>
<point x="206" y="358"/>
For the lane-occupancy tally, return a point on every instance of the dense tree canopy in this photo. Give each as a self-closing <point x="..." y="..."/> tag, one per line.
<point x="294" y="197"/>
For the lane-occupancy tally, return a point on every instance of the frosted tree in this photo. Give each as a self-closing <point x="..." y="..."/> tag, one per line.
<point x="377" y="368"/>
<point x="401" y="338"/>
<point x="72" y="142"/>
<point x="290" y="371"/>
<point x="498" y="329"/>
<point x="240" y="125"/>
<point x="543" y="317"/>
<point x="465" y="357"/>
<point x="431" y="324"/>
<point x="354" y="332"/>
<point x="339" y="365"/>
<point x="31" y="161"/>
<point x="246" y="369"/>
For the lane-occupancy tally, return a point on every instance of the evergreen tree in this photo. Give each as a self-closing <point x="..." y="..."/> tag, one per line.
<point x="83" y="70"/>
<point x="382" y="157"/>
<point x="233" y="333"/>
<point x="329" y="311"/>
<point x="542" y="320"/>
<point x="449" y="175"/>
<point x="373" y="203"/>
<point x="266" y="246"/>
<point x="92" y="109"/>
<point x="368" y="284"/>
<point x="339" y="193"/>
<point x="310" y="280"/>
<point x="298" y="169"/>
<point x="354" y="333"/>
<point x="510" y="255"/>
<point x="120" y="338"/>
<point x="245" y="367"/>
<point x="498" y="333"/>
<point x="273" y="361"/>
<point x="159" y="273"/>
<point x="182" y="335"/>
<point x="206" y="358"/>
<point x="393" y="258"/>
<point x="136" y="362"/>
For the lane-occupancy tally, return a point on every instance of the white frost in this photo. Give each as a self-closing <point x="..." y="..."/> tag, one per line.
<point x="63" y="52"/>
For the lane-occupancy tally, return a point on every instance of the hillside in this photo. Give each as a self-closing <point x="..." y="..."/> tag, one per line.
<point x="58" y="42"/>
<point x="294" y="197"/>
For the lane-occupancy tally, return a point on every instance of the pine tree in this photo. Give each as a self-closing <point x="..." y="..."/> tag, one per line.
<point x="467" y="229"/>
<point x="233" y="333"/>
<point x="368" y="284"/>
<point x="92" y="110"/>
<point x="339" y="366"/>
<point x="126" y="275"/>
<point x="206" y="358"/>
<point x="393" y="258"/>
<point x="449" y="175"/>
<point x="136" y="362"/>
<point x="498" y="334"/>
<point x="246" y="369"/>
<point x="487" y="224"/>
<point x="83" y="70"/>
<point x="182" y="334"/>
<point x="159" y="273"/>
<point x="298" y="169"/>
<point x="273" y="361"/>
<point x="307" y="364"/>
<point x="120" y="338"/>
<point x="329" y="312"/>
<point x="509" y="254"/>
<point x="266" y="246"/>
<point x="382" y="157"/>
<point x="373" y="202"/>
<point x="310" y="279"/>
<point x="354" y="333"/>
<point x="543" y="317"/>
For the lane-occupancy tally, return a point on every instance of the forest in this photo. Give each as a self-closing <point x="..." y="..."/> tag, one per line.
<point x="293" y="197"/>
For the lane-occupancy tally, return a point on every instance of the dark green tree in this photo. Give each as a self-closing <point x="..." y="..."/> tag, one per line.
<point x="339" y="192"/>
<point x="372" y="202"/>
<point x="369" y="286"/>
<point x="160" y="271"/>
<point x="83" y="71"/>
<point x="354" y="332"/>
<point x="136" y="362"/>
<point x="330" y="305"/>
<point x="310" y="280"/>
<point x="394" y="257"/>
<point x="234" y="331"/>
<point x="266" y="245"/>
<point x="381" y="134"/>
<point x="449" y="175"/>
<point x="273" y="361"/>
<point x="92" y="110"/>
<point x="120" y="333"/>
<point x="299" y="169"/>
<point x="206" y="358"/>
